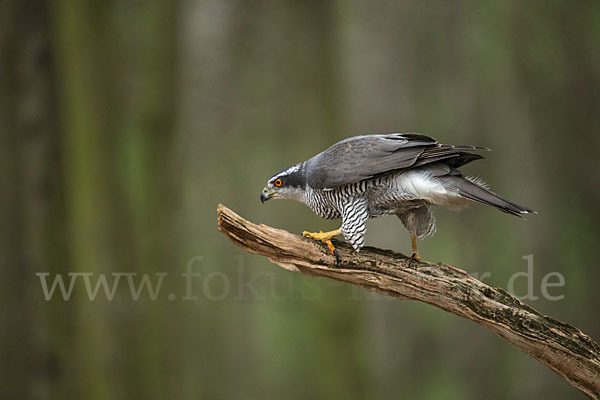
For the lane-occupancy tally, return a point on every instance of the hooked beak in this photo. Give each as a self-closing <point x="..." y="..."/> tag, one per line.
<point x="266" y="195"/>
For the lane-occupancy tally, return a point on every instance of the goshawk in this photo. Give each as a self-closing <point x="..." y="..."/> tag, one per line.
<point x="370" y="176"/>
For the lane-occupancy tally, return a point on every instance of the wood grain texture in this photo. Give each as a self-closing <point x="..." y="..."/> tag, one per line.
<point x="563" y="348"/>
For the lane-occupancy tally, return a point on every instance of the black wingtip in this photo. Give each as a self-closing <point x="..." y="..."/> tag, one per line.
<point x="419" y="137"/>
<point x="462" y="158"/>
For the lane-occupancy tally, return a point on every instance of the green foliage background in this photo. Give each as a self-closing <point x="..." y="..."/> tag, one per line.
<point x="124" y="123"/>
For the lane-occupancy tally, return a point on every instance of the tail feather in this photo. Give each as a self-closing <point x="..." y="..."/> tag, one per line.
<point x="475" y="191"/>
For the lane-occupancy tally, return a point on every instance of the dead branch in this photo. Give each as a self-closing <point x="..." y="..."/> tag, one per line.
<point x="564" y="348"/>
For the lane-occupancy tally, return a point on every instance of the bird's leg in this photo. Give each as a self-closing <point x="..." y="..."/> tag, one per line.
<point x="415" y="254"/>
<point x="408" y="220"/>
<point x="325" y="237"/>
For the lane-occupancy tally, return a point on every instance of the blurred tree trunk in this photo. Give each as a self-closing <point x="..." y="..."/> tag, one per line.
<point x="31" y="234"/>
<point x="115" y="63"/>
<point x="86" y="115"/>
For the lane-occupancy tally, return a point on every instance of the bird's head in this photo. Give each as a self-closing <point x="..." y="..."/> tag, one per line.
<point x="289" y="183"/>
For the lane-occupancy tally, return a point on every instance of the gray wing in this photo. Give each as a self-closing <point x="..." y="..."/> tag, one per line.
<point x="364" y="157"/>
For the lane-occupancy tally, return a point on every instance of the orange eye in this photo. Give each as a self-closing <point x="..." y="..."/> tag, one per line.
<point x="278" y="182"/>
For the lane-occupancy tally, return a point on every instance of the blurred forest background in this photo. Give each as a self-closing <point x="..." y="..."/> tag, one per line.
<point x="124" y="123"/>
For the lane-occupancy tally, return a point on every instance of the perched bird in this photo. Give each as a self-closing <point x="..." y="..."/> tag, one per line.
<point x="370" y="176"/>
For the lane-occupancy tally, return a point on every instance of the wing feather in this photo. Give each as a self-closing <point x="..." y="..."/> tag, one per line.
<point x="365" y="157"/>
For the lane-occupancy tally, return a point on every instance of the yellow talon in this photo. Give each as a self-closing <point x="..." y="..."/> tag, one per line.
<point x="324" y="237"/>
<point x="330" y="246"/>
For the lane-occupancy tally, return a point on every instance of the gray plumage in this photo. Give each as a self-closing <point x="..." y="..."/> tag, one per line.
<point x="370" y="176"/>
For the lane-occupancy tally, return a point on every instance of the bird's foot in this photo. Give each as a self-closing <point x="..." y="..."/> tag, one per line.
<point x="321" y="236"/>
<point x="325" y="237"/>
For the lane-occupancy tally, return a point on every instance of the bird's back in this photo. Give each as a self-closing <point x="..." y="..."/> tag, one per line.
<point x="371" y="156"/>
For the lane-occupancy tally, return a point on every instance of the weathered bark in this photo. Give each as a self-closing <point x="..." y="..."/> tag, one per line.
<point x="565" y="349"/>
